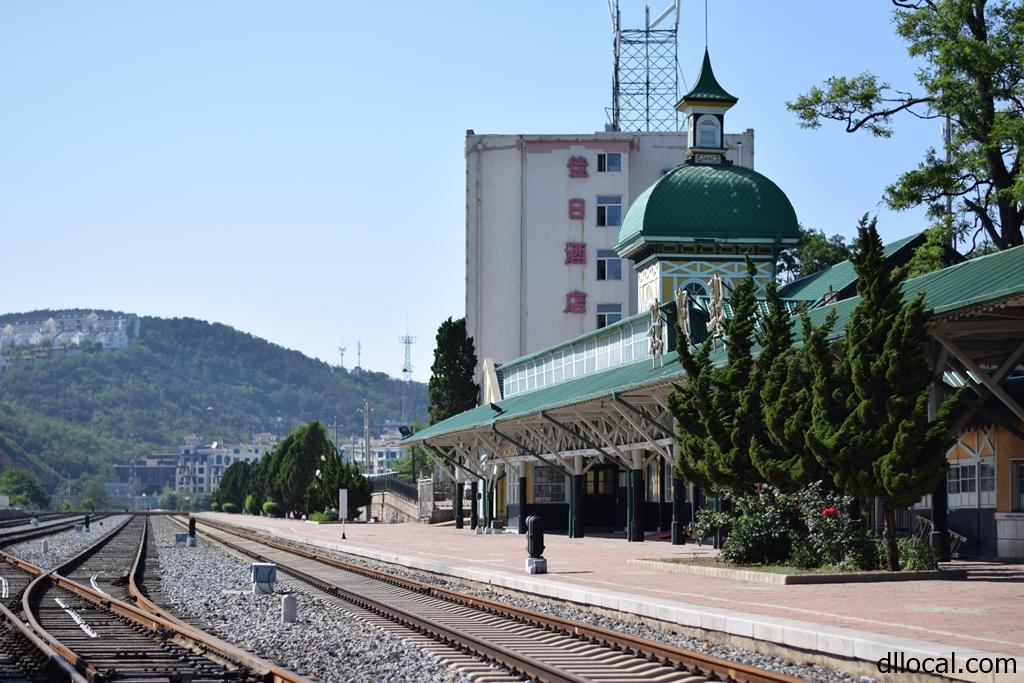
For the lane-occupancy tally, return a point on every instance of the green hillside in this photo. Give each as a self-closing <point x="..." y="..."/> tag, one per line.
<point x="77" y="414"/>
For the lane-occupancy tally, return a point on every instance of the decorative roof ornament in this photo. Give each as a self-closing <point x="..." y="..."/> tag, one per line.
<point x="716" y="308"/>
<point x="683" y="313"/>
<point x="655" y="334"/>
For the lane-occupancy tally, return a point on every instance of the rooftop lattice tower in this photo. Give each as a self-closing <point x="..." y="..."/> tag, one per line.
<point x="645" y="82"/>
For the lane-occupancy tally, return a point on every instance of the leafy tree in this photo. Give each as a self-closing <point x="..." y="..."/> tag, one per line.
<point x="95" y="491"/>
<point x="360" y="491"/>
<point x="233" y="484"/>
<point x="870" y="428"/>
<point x="715" y="426"/>
<point x="972" y="72"/>
<point x="814" y="252"/>
<point x="23" y="488"/>
<point x="169" y="500"/>
<point x="452" y="389"/>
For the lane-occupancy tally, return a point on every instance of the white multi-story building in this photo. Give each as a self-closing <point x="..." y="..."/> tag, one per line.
<point x="385" y="451"/>
<point x="201" y="466"/>
<point x="542" y="218"/>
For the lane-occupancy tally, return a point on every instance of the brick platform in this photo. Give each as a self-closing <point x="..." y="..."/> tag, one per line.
<point x="984" y="614"/>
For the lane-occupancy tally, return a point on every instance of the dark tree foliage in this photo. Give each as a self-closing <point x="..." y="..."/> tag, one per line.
<point x="233" y="483"/>
<point x="814" y="252"/>
<point x="971" y="72"/>
<point x="870" y="426"/>
<point x="300" y="476"/>
<point x="452" y="388"/>
<point x="78" y="414"/>
<point x="24" y="489"/>
<point x="779" y="400"/>
<point x="715" y="432"/>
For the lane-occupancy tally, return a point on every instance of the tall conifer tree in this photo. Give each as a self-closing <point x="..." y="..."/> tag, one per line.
<point x="870" y="427"/>
<point x="452" y="388"/>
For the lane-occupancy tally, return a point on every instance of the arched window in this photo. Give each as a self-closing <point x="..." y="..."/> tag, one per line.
<point x="708" y="131"/>
<point x="695" y="289"/>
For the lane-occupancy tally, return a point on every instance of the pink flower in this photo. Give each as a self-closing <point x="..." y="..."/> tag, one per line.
<point x="830" y="512"/>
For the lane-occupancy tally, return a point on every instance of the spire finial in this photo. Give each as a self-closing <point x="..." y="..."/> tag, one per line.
<point x="705" y="25"/>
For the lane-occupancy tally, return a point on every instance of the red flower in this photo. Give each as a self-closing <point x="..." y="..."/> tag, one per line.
<point x="830" y="512"/>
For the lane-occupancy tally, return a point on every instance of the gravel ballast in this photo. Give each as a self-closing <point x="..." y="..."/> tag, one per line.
<point x="63" y="545"/>
<point x="209" y="587"/>
<point x="582" y="614"/>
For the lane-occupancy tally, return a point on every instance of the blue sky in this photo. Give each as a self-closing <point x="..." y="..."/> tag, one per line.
<point x="296" y="170"/>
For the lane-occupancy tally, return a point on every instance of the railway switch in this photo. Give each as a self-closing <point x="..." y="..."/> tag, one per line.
<point x="264" y="576"/>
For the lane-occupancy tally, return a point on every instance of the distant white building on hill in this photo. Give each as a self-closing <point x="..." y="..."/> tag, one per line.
<point x="29" y="338"/>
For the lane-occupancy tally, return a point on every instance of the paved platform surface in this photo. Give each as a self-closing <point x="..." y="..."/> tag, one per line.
<point x="984" y="614"/>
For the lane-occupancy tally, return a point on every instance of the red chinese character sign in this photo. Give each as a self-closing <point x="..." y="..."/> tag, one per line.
<point x="575" y="252"/>
<point x="577" y="209"/>
<point x="576" y="302"/>
<point x="577" y="167"/>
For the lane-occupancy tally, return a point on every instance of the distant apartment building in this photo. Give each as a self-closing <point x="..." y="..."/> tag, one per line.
<point x="200" y="466"/>
<point x="542" y="218"/>
<point x="385" y="451"/>
<point x="149" y="475"/>
<point x="27" y="339"/>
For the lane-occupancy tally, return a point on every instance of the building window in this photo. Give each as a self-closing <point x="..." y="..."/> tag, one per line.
<point x="575" y="302"/>
<point x="609" y="265"/>
<point x="1017" y="498"/>
<point x="609" y="163"/>
<point x="695" y="289"/>
<point x="575" y="252"/>
<point x="548" y="485"/>
<point x="708" y="131"/>
<point x="600" y="481"/>
<point x="608" y="314"/>
<point x="609" y="210"/>
<point x="966" y="483"/>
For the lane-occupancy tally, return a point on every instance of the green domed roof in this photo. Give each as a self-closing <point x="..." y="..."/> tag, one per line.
<point x="691" y="202"/>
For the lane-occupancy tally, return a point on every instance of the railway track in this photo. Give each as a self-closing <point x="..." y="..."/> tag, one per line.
<point x="17" y="534"/>
<point x="82" y="621"/>
<point x="531" y="644"/>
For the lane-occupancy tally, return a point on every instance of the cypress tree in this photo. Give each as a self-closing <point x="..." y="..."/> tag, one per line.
<point x="452" y="388"/>
<point x="870" y="426"/>
<point x="780" y="395"/>
<point x="714" y="436"/>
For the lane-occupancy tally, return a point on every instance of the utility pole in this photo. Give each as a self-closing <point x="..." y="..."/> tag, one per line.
<point x="406" y="341"/>
<point x="366" y="434"/>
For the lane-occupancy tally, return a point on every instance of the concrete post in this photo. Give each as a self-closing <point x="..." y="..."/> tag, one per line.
<point x="289" y="609"/>
<point x="629" y="505"/>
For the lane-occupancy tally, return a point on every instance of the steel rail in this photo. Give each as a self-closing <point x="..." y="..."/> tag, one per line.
<point x="12" y="537"/>
<point x="521" y="664"/>
<point x="160" y="624"/>
<point x="670" y="655"/>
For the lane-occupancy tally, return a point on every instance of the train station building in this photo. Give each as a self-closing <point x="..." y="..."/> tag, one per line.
<point x="580" y="432"/>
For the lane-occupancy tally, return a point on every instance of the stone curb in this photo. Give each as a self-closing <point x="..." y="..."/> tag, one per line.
<point x="756" y="576"/>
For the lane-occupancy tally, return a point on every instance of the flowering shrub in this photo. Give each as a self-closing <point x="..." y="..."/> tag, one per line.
<point x="761" y="530"/>
<point x="709" y="521"/>
<point x="809" y="529"/>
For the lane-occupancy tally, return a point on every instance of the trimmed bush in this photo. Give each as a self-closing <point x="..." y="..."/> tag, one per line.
<point x="251" y="506"/>
<point x="915" y="555"/>
<point x="215" y="506"/>
<point x="272" y="509"/>
<point x="230" y="508"/>
<point x="330" y="516"/>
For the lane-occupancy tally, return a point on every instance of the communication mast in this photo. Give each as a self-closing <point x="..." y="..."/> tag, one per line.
<point x="407" y="341"/>
<point x="645" y="80"/>
<point x="341" y="351"/>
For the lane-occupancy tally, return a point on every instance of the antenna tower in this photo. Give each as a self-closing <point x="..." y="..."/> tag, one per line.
<point x="341" y="351"/>
<point x="406" y="341"/>
<point x="359" y="354"/>
<point x="645" y="80"/>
